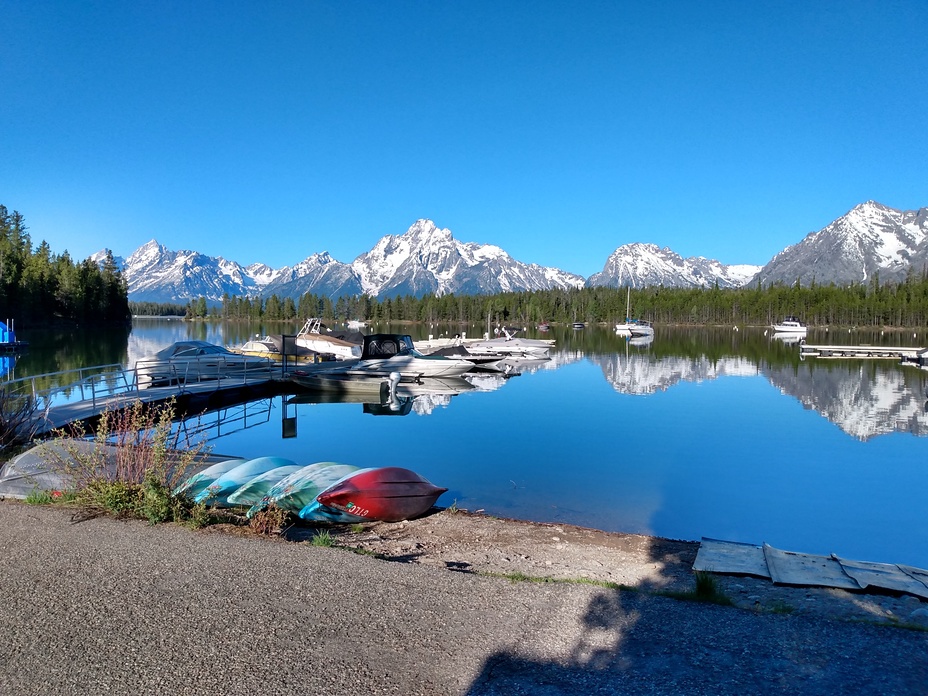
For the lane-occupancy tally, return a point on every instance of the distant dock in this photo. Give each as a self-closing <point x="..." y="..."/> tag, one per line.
<point x="906" y="354"/>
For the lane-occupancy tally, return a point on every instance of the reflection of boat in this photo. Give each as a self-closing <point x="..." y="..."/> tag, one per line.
<point x="641" y="340"/>
<point x="192" y="361"/>
<point x="339" y="387"/>
<point x="789" y="338"/>
<point x="633" y="327"/>
<point x="790" y="325"/>
<point x="311" y="336"/>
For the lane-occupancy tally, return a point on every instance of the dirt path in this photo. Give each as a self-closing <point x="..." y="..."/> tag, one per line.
<point x="480" y="544"/>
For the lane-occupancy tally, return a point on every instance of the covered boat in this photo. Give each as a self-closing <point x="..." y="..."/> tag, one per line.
<point x="193" y="361"/>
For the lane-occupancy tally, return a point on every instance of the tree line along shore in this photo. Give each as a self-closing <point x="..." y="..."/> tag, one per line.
<point x="875" y="304"/>
<point x="38" y="287"/>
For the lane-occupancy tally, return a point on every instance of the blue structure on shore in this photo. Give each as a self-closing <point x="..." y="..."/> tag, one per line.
<point x="8" y="342"/>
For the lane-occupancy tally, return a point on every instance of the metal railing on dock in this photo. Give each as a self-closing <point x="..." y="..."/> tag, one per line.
<point x="67" y="396"/>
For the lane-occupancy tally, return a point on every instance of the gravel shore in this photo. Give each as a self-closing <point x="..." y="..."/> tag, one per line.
<point x="106" y="606"/>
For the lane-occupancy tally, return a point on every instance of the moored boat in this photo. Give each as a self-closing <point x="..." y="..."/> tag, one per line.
<point x="315" y="336"/>
<point x="383" y="354"/>
<point x="790" y="325"/>
<point x="633" y="327"/>
<point x="509" y="345"/>
<point x="194" y="361"/>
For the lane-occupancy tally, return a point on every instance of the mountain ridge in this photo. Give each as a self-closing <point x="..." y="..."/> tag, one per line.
<point x="870" y="239"/>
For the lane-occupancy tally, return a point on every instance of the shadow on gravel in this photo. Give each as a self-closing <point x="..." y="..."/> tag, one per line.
<point x="636" y="642"/>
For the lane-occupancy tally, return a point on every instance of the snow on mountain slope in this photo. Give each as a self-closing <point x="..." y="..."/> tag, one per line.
<point x="640" y="265"/>
<point x="870" y="239"/>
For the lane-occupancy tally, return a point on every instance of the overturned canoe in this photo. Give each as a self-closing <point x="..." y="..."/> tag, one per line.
<point x="388" y="493"/>
<point x="294" y="492"/>
<point x="218" y="491"/>
<point x="197" y="483"/>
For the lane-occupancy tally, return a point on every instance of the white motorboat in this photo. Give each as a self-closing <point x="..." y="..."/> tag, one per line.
<point x="384" y="354"/>
<point x="790" y="325"/>
<point x="314" y="336"/>
<point x="510" y="345"/>
<point x="194" y="361"/>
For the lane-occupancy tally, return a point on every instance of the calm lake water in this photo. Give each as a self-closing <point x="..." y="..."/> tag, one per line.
<point x="704" y="432"/>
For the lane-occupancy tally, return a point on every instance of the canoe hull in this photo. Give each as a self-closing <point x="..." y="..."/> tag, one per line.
<point x="387" y="493"/>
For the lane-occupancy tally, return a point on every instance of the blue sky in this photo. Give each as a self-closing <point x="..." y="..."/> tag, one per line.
<point x="268" y="131"/>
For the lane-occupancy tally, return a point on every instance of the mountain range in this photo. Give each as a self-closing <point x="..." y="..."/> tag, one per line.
<point x="870" y="239"/>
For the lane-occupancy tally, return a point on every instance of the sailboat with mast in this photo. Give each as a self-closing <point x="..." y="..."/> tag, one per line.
<point x="633" y="327"/>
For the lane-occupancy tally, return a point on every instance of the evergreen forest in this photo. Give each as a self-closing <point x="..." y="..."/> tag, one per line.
<point x="892" y="305"/>
<point x="38" y="287"/>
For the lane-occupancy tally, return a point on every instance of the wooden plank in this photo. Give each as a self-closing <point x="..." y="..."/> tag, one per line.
<point x="887" y="576"/>
<point x="791" y="568"/>
<point x="731" y="557"/>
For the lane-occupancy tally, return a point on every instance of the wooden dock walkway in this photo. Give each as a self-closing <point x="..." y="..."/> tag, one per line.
<point x="190" y="396"/>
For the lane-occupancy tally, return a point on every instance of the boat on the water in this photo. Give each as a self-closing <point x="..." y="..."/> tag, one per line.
<point x="383" y="354"/>
<point x="790" y="325"/>
<point x="508" y="344"/>
<point x="272" y="346"/>
<point x="633" y="327"/>
<point x="316" y="337"/>
<point x="193" y="361"/>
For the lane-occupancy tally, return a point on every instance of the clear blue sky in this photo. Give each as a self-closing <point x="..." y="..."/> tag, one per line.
<point x="268" y="131"/>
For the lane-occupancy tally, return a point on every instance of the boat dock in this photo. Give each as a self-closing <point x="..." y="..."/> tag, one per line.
<point x="906" y="354"/>
<point x="79" y="396"/>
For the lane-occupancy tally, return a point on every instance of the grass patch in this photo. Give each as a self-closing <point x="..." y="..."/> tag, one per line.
<point x="707" y="590"/>
<point x="780" y="607"/>
<point x="323" y="537"/>
<point x="523" y="577"/>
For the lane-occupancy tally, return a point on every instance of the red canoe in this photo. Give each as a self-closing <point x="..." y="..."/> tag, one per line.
<point x="389" y="493"/>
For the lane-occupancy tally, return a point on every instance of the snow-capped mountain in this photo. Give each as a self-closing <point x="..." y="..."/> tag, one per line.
<point x="871" y="239"/>
<point x="154" y="273"/>
<point x="642" y="265"/>
<point x="426" y="260"/>
<point x="319" y="274"/>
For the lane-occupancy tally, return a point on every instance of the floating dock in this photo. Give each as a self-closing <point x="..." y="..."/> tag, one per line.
<point x="907" y="354"/>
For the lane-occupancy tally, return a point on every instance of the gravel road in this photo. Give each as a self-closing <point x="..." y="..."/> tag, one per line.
<point x="105" y="606"/>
